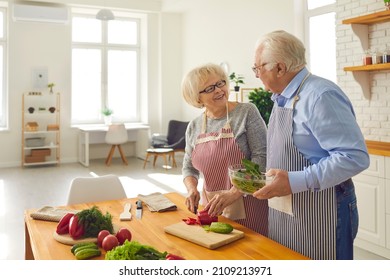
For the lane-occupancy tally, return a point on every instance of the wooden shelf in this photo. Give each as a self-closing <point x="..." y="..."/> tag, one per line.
<point x="372" y="67"/>
<point x="370" y="18"/>
<point x="378" y="148"/>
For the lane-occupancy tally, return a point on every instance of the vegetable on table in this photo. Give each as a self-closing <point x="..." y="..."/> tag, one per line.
<point x="63" y="224"/>
<point x="173" y="257"/>
<point x="94" y="221"/>
<point x="85" y="250"/>
<point x="203" y="218"/>
<point x="133" y="250"/>
<point x="76" y="229"/>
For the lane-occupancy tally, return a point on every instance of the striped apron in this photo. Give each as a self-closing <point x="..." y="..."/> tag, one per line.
<point x="311" y="229"/>
<point x="213" y="153"/>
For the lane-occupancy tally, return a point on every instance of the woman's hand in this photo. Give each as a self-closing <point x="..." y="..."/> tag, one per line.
<point x="193" y="196"/>
<point x="221" y="200"/>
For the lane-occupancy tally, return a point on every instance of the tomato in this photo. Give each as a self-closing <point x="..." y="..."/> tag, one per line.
<point x="122" y="235"/>
<point x="110" y="242"/>
<point x="103" y="233"/>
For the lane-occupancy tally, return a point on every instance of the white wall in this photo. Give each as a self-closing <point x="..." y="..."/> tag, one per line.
<point x="181" y="37"/>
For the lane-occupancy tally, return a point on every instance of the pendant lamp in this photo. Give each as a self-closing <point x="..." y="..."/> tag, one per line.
<point x="105" y="14"/>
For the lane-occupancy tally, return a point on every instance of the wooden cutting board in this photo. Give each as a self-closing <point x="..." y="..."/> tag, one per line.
<point x="197" y="235"/>
<point x="68" y="240"/>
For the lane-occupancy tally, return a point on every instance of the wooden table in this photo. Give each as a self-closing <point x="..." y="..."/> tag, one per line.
<point x="41" y="245"/>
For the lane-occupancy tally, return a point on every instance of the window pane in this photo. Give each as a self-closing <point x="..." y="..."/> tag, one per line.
<point x="312" y="4"/>
<point x="122" y="32"/>
<point x="122" y="84"/>
<point x="86" y="30"/>
<point x="1" y="24"/>
<point x="86" y="85"/>
<point x="2" y="102"/>
<point x="323" y="46"/>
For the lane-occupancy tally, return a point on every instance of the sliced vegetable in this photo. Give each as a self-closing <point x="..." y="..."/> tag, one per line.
<point x="63" y="224"/>
<point x="219" y="227"/>
<point x="205" y="219"/>
<point x="191" y="221"/>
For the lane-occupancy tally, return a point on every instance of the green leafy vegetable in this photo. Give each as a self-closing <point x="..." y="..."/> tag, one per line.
<point x="249" y="179"/>
<point x="133" y="250"/>
<point x="94" y="221"/>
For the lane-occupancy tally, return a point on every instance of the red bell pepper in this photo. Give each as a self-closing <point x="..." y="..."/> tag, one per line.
<point x="173" y="257"/>
<point x="190" y="221"/>
<point x="76" y="230"/>
<point x="205" y="219"/>
<point x="63" y="224"/>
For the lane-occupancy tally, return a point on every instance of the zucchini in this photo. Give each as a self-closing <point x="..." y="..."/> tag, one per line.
<point x="87" y="253"/>
<point x="220" y="227"/>
<point x="82" y="244"/>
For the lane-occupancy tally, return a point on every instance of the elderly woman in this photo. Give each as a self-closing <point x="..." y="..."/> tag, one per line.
<point x="224" y="134"/>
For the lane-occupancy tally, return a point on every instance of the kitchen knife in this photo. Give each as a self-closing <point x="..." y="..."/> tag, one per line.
<point x="138" y="212"/>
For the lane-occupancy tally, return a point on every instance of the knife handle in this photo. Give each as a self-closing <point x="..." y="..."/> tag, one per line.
<point x="139" y="204"/>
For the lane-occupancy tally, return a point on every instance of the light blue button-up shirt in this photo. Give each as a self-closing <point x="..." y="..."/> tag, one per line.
<point x="325" y="131"/>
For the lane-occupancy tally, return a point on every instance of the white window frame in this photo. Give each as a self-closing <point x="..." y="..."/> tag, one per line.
<point x="104" y="47"/>
<point x="312" y="13"/>
<point x="4" y="90"/>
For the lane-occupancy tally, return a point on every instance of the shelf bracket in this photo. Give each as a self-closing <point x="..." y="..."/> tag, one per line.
<point x="361" y="30"/>
<point x="363" y="79"/>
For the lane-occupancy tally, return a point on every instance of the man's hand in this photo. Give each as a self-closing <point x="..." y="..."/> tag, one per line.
<point x="279" y="186"/>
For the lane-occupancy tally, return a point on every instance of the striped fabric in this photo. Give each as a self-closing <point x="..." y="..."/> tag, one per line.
<point x="214" y="152"/>
<point x="312" y="229"/>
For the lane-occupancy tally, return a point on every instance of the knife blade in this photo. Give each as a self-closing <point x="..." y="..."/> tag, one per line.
<point x="138" y="212"/>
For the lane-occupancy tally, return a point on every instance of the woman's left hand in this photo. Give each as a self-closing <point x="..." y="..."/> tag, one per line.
<point x="221" y="200"/>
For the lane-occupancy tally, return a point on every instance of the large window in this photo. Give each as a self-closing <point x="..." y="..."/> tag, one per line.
<point x="3" y="67"/>
<point x="105" y="68"/>
<point x="321" y="31"/>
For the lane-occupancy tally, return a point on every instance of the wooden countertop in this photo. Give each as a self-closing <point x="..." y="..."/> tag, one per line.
<point x="41" y="245"/>
<point x="378" y="148"/>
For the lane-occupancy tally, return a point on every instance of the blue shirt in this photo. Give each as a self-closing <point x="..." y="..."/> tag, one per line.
<point x="325" y="131"/>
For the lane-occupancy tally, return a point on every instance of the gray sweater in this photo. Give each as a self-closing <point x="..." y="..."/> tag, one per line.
<point x="249" y="129"/>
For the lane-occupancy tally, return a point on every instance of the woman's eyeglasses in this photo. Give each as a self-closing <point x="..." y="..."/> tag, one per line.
<point x="211" y="88"/>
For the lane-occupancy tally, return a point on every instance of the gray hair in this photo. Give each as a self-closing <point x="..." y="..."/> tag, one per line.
<point x="281" y="46"/>
<point x="196" y="78"/>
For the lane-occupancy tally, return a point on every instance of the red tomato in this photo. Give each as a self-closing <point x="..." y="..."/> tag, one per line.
<point x="122" y="235"/>
<point x="110" y="242"/>
<point x="103" y="233"/>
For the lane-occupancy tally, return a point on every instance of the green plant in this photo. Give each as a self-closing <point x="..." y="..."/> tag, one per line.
<point x="107" y="112"/>
<point x="262" y="100"/>
<point x="236" y="79"/>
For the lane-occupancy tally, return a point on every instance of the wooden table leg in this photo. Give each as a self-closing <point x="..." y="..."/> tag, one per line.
<point x="28" y="253"/>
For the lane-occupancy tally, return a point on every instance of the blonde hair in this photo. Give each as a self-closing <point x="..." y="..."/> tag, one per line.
<point x="196" y="78"/>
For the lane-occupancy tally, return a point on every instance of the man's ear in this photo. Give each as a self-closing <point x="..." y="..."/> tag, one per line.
<point x="281" y="67"/>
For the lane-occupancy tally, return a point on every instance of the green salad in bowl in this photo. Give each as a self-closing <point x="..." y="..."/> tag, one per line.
<point x="247" y="176"/>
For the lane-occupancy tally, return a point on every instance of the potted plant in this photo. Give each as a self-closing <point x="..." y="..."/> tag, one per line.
<point x="387" y="4"/>
<point x="107" y="113"/>
<point x="262" y="99"/>
<point x="50" y="86"/>
<point x="237" y="80"/>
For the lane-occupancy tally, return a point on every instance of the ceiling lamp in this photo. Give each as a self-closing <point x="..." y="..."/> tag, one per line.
<point x="105" y="14"/>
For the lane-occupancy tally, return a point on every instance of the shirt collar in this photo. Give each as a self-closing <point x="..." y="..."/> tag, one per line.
<point x="292" y="87"/>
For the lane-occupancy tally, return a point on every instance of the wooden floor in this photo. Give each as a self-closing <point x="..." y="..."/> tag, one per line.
<point x="35" y="187"/>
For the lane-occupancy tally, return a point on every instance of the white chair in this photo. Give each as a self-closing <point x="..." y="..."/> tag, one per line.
<point x="115" y="136"/>
<point x="92" y="189"/>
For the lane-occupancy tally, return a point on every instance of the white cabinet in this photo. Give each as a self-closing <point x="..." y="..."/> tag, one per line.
<point x="40" y="128"/>
<point x="373" y="198"/>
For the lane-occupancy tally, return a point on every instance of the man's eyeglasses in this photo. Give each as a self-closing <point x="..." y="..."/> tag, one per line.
<point x="211" y="88"/>
<point x="257" y="69"/>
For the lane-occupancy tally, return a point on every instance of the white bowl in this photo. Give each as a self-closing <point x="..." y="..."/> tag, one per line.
<point x="244" y="181"/>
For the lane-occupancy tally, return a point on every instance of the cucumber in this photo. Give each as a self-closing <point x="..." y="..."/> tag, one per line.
<point x="87" y="253"/>
<point x="88" y="246"/>
<point x="220" y="227"/>
<point x="82" y="244"/>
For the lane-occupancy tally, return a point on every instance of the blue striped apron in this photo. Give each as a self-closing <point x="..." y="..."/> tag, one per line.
<point x="311" y="230"/>
<point x="213" y="153"/>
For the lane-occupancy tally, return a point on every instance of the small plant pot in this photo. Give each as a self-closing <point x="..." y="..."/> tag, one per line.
<point x="52" y="109"/>
<point x="237" y="88"/>
<point x="31" y="110"/>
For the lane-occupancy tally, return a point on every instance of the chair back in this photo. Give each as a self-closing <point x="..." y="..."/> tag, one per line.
<point x="176" y="132"/>
<point x="116" y="134"/>
<point x="93" y="189"/>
